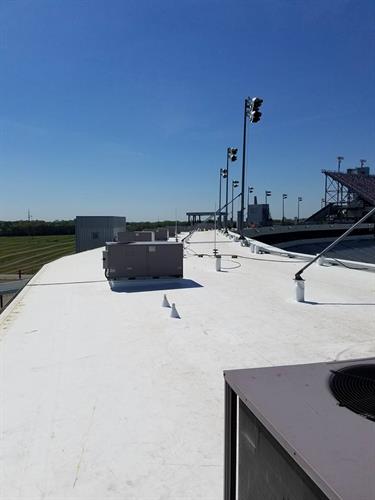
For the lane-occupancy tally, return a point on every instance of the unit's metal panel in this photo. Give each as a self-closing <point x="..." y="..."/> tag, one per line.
<point x="131" y="236"/>
<point x="265" y="470"/>
<point x="165" y="260"/>
<point x="127" y="260"/>
<point x="161" y="234"/>
<point x="144" y="259"/>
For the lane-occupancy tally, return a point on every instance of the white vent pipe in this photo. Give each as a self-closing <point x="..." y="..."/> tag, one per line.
<point x="218" y="262"/>
<point x="300" y="290"/>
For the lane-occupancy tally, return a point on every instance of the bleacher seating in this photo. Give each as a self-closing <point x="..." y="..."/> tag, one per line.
<point x="362" y="185"/>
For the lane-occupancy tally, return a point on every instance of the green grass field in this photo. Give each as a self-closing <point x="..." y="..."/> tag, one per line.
<point x="30" y="253"/>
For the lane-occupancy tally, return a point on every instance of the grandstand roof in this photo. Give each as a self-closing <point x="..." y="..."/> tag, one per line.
<point x="362" y="185"/>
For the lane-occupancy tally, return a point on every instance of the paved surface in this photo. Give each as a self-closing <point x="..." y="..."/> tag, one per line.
<point x="106" y="396"/>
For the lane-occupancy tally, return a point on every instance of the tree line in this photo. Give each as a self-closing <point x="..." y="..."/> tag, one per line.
<point x="44" y="228"/>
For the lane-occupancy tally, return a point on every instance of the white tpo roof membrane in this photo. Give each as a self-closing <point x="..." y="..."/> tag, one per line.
<point x="104" y="395"/>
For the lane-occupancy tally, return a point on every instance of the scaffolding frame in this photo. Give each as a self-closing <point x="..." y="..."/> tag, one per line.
<point x="335" y="192"/>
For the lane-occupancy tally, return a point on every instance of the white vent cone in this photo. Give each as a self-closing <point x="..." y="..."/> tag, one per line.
<point x="165" y="302"/>
<point x="174" y="313"/>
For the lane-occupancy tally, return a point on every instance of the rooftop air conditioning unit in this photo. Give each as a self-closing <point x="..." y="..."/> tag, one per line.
<point x="161" y="234"/>
<point x="156" y="259"/>
<point x="304" y="432"/>
<point x="131" y="236"/>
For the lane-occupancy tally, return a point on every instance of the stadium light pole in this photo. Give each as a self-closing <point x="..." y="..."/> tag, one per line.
<point x="249" y="191"/>
<point x="232" y="156"/>
<point x="221" y="175"/>
<point x="339" y="160"/>
<point x="285" y="196"/>
<point x="299" y="201"/>
<point x="234" y="185"/>
<point x="251" y="112"/>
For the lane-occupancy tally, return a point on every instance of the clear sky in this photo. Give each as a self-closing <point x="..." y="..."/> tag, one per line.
<point x="126" y="107"/>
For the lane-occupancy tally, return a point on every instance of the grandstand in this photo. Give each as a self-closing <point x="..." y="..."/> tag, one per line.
<point x="348" y="196"/>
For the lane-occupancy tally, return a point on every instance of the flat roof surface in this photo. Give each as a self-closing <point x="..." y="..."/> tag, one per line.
<point x="106" y="396"/>
<point x="338" y="451"/>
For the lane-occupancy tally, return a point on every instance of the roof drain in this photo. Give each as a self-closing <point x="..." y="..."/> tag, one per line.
<point x="298" y="276"/>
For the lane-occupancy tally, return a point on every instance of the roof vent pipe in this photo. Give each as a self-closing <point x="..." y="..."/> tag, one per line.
<point x="300" y="290"/>
<point x="218" y="262"/>
<point x="321" y="261"/>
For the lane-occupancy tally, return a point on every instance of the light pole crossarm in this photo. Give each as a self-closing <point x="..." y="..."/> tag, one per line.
<point x="298" y="275"/>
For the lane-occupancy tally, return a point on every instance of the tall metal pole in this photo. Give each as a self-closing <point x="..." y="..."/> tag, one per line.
<point x="298" y="211"/>
<point x="226" y="195"/>
<point x="325" y="190"/>
<point x="232" y="201"/>
<point x="283" y="219"/>
<point x="221" y="174"/>
<point x="243" y="172"/>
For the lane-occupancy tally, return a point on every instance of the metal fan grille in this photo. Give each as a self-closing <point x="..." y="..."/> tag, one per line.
<point x="354" y="388"/>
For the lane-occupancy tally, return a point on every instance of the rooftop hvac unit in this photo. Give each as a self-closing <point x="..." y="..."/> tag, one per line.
<point x="131" y="236"/>
<point x="304" y="432"/>
<point x="143" y="260"/>
<point x="161" y="234"/>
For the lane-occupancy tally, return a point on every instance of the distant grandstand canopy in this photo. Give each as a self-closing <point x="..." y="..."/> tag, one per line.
<point x="361" y="185"/>
<point x="348" y="196"/>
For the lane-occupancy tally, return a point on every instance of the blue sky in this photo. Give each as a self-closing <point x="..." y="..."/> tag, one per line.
<point x="127" y="107"/>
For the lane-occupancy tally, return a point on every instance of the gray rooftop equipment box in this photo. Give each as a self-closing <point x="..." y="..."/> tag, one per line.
<point x="162" y="234"/>
<point x="94" y="231"/>
<point x="292" y="439"/>
<point x="132" y="236"/>
<point x="143" y="260"/>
